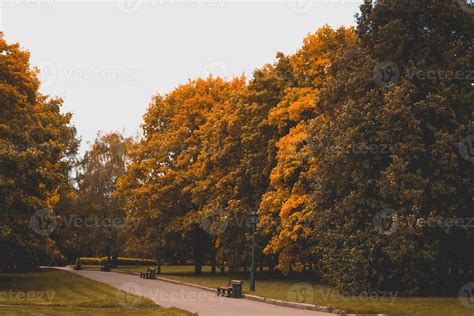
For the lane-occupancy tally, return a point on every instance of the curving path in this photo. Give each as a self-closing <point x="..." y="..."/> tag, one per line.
<point x="188" y="298"/>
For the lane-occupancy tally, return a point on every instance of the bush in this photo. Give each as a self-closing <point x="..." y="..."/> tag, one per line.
<point x="121" y="261"/>
<point x="90" y="261"/>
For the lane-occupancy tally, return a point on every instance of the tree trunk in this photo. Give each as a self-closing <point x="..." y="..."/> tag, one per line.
<point x="443" y="273"/>
<point x="197" y="254"/>
<point x="271" y="264"/>
<point x="114" y="263"/>
<point x="213" y="264"/>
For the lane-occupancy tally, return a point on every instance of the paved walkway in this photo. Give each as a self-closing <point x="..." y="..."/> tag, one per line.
<point x="188" y="298"/>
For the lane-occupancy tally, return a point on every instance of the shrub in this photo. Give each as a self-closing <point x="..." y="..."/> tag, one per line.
<point x="121" y="261"/>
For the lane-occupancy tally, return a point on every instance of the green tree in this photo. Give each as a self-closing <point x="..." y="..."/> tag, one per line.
<point x="98" y="172"/>
<point x="378" y="100"/>
<point x="37" y="144"/>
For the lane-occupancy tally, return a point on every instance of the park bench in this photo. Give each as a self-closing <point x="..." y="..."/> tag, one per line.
<point x="149" y="274"/>
<point x="232" y="289"/>
<point x="106" y="268"/>
<point x="78" y="265"/>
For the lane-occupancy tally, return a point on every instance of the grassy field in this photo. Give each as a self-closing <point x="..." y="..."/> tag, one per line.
<point x="305" y="291"/>
<point x="54" y="292"/>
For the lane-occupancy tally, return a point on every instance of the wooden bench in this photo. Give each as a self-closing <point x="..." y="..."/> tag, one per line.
<point x="232" y="289"/>
<point x="225" y="291"/>
<point x="149" y="274"/>
<point x="106" y="268"/>
<point x="78" y="265"/>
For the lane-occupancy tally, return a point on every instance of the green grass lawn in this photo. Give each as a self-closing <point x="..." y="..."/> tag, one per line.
<point x="307" y="291"/>
<point x="54" y="292"/>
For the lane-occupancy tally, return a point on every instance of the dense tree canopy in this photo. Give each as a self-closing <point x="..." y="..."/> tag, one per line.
<point x="410" y="128"/>
<point x="37" y="143"/>
<point x="355" y="152"/>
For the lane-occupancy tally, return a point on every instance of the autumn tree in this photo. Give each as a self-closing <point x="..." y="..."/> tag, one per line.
<point x="163" y="185"/>
<point x="288" y="203"/>
<point x="37" y="143"/>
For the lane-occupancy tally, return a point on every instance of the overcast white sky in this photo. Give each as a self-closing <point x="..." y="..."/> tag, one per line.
<point x="106" y="59"/>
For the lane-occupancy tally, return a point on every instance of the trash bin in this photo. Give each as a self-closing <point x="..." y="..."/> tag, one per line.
<point x="236" y="288"/>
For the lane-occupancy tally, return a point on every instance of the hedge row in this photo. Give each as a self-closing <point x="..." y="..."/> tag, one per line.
<point x="121" y="261"/>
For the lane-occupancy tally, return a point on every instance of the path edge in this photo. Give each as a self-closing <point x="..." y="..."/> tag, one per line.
<point x="271" y="301"/>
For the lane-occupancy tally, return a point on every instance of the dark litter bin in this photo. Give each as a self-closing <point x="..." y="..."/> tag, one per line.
<point x="236" y="288"/>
